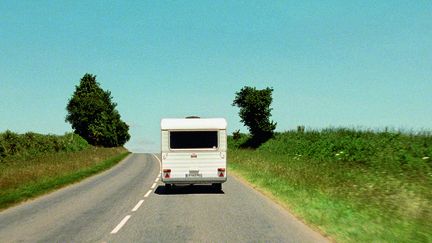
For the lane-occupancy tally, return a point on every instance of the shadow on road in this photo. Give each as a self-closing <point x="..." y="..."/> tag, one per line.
<point x="195" y="189"/>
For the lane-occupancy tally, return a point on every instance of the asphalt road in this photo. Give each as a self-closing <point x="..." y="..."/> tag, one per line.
<point x="129" y="204"/>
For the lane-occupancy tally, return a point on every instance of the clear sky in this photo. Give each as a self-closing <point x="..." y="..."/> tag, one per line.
<point x="331" y="63"/>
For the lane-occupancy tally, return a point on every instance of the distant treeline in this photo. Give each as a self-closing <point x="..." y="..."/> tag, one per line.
<point x="30" y="144"/>
<point x="373" y="148"/>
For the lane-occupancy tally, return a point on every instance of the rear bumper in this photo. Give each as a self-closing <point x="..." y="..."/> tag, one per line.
<point x="194" y="180"/>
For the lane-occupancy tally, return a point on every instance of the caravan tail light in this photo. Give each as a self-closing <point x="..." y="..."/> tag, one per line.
<point x="167" y="173"/>
<point x="221" y="172"/>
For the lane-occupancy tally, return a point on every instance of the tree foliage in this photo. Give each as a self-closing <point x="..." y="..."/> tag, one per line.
<point x="255" y="113"/>
<point x="93" y="115"/>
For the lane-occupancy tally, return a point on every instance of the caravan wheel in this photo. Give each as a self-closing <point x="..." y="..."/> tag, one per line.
<point x="217" y="186"/>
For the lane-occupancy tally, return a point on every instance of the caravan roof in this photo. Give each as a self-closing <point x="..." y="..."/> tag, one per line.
<point x="195" y="123"/>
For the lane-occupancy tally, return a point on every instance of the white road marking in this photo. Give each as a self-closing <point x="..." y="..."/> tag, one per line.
<point x="148" y="193"/>
<point x="160" y="167"/>
<point x="137" y="206"/>
<point x="160" y="163"/>
<point x="127" y="217"/>
<point x="121" y="224"/>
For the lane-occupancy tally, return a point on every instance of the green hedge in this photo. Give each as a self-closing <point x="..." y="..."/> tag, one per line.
<point x="370" y="148"/>
<point x="30" y="144"/>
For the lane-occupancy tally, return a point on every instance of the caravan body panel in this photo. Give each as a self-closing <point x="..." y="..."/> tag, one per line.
<point x="193" y="150"/>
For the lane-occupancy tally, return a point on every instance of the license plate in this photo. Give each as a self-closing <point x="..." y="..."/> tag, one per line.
<point x="194" y="173"/>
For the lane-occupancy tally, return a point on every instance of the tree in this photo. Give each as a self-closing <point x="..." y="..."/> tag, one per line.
<point x="255" y="113"/>
<point x="93" y="115"/>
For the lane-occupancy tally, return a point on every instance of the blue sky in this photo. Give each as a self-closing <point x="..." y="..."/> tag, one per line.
<point x="331" y="63"/>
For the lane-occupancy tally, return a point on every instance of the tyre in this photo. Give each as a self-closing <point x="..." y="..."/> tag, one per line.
<point x="217" y="186"/>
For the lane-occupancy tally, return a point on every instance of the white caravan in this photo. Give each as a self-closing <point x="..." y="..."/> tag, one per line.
<point x="194" y="151"/>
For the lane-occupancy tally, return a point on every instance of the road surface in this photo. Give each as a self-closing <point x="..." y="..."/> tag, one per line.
<point x="129" y="204"/>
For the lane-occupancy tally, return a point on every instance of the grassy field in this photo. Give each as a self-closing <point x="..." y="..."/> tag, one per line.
<point x="26" y="174"/>
<point x="355" y="186"/>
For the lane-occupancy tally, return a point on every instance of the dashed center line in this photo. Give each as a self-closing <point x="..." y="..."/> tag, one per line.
<point x="121" y="224"/>
<point x="153" y="186"/>
<point x="157" y="159"/>
<point x="138" y="205"/>
<point x="148" y="193"/>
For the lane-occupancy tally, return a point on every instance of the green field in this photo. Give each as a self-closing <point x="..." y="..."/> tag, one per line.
<point x="33" y="164"/>
<point x="354" y="186"/>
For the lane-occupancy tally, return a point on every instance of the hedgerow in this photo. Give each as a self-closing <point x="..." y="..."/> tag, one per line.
<point x="29" y="144"/>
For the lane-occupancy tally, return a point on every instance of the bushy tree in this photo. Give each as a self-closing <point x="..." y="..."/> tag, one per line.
<point x="255" y="113"/>
<point x="93" y="115"/>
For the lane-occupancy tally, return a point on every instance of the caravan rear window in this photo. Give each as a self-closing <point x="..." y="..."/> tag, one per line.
<point x="193" y="139"/>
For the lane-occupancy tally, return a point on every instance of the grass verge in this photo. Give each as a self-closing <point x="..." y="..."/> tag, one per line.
<point x="22" y="180"/>
<point x="349" y="200"/>
<point x="405" y="216"/>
